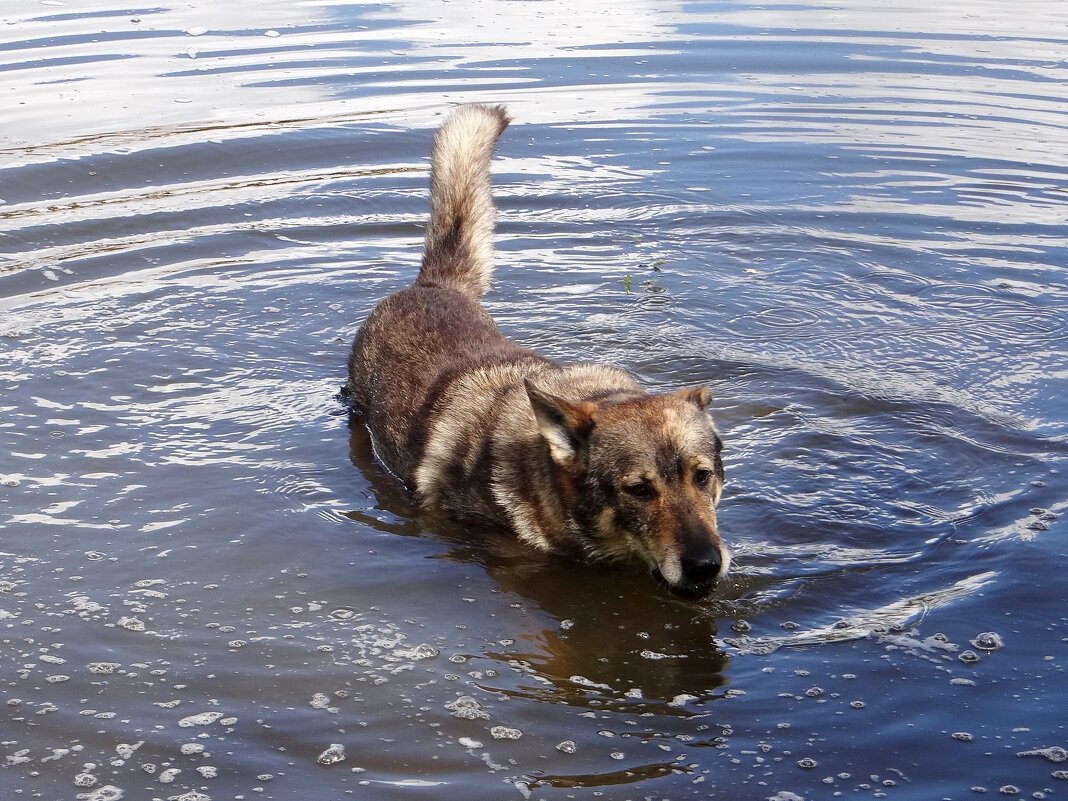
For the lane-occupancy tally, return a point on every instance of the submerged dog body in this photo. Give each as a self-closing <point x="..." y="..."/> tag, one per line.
<point x="569" y="457"/>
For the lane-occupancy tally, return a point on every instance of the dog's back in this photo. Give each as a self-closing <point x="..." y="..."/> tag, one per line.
<point x="572" y="457"/>
<point x="418" y="342"/>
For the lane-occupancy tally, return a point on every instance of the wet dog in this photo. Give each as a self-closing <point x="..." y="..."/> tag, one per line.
<point x="572" y="458"/>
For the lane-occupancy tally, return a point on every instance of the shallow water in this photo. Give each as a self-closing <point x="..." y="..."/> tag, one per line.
<point x="848" y="218"/>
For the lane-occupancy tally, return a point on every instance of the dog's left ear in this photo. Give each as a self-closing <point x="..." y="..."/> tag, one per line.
<point x="564" y="424"/>
<point x="700" y="396"/>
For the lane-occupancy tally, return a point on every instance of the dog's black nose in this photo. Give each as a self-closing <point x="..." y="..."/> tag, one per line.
<point x="701" y="568"/>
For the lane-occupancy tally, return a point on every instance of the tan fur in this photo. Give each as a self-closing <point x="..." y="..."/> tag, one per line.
<point x="570" y="458"/>
<point x="461" y="204"/>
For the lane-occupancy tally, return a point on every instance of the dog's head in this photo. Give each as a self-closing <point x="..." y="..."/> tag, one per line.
<point x="645" y="475"/>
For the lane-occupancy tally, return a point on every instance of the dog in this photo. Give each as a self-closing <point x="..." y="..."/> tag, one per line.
<point x="574" y="458"/>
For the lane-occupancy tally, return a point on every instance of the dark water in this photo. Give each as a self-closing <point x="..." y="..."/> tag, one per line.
<point x="851" y="219"/>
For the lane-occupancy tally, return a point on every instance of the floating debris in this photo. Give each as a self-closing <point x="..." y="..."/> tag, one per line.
<point x="567" y="747"/>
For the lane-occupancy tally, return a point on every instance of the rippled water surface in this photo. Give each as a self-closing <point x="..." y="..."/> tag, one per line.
<point x="850" y="218"/>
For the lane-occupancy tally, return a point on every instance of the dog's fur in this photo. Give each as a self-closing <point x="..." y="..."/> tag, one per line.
<point x="570" y="458"/>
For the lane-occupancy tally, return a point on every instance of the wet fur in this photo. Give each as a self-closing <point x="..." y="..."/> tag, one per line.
<point x="492" y="432"/>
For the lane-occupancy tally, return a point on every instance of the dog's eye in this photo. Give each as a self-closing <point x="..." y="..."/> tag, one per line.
<point x="642" y="490"/>
<point x="701" y="477"/>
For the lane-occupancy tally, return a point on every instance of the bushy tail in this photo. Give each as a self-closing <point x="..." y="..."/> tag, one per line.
<point x="458" y="253"/>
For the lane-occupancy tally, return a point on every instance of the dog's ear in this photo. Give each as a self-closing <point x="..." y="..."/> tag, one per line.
<point x="700" y="396"/>
<point x="564" y="424"/>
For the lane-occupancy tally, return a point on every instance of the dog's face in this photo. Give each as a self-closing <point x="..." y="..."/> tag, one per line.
<point x="645" y="472"/>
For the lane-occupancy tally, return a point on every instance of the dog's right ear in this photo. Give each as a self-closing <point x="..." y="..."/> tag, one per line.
<point x="564" y="424"/>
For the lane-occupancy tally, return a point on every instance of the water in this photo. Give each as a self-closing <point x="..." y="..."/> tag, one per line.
<point x="848" y="218"/>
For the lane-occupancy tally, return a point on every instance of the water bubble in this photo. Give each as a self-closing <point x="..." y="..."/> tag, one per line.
<point x="467" y="708"/>
<point x="169" y="775"/>
<point x="616" y="755"/>
<point x="1053" y="754"/>
<point x="785" y="795"/>
<point x="962" y="736"/>
<point x="200" y="719"/>
<point x="84" y="780"/>
<point x="319" y="701"/>
<point x="567" y="747"/>
<point x="807" y="763"/>
<point x="192" y="748"/>
<point x="102" y="668"/>
<point x="335" y="753"/>
<point x="740" y="626"/>
<point x="987" y="641"/>
<point x="814" y="692"/>
<point x="857" y="704"/>
<point x="132" y="624"/>
<point x="421" y="651"/>
<point x="467" y="742"/>
<point x="682" y="699"/>
<point x="126" y="750"/>
<point x="968" y="657"/>
<point x="108" y="792"/>
<point x="654" y="655"/>
<point x="1060" y="774"/>
<point x="1009" y="789"/>
<point x="505" y="733"/>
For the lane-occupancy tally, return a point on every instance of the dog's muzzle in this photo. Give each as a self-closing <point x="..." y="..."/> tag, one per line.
<point x="699" y="571"/>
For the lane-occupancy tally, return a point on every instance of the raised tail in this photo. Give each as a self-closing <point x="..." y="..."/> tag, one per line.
<point x="458" y="252"/>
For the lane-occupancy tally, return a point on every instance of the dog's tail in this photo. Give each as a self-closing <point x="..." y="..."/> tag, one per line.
<point x="458" y="253"/>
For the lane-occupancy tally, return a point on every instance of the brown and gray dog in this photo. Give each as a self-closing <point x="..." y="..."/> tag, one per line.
<point x="573" y="458"/>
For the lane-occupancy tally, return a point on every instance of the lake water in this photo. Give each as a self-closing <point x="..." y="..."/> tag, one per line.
<point x="849" y="218"/>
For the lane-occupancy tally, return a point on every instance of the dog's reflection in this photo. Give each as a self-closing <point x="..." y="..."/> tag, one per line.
<point x="613" y="625"/>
